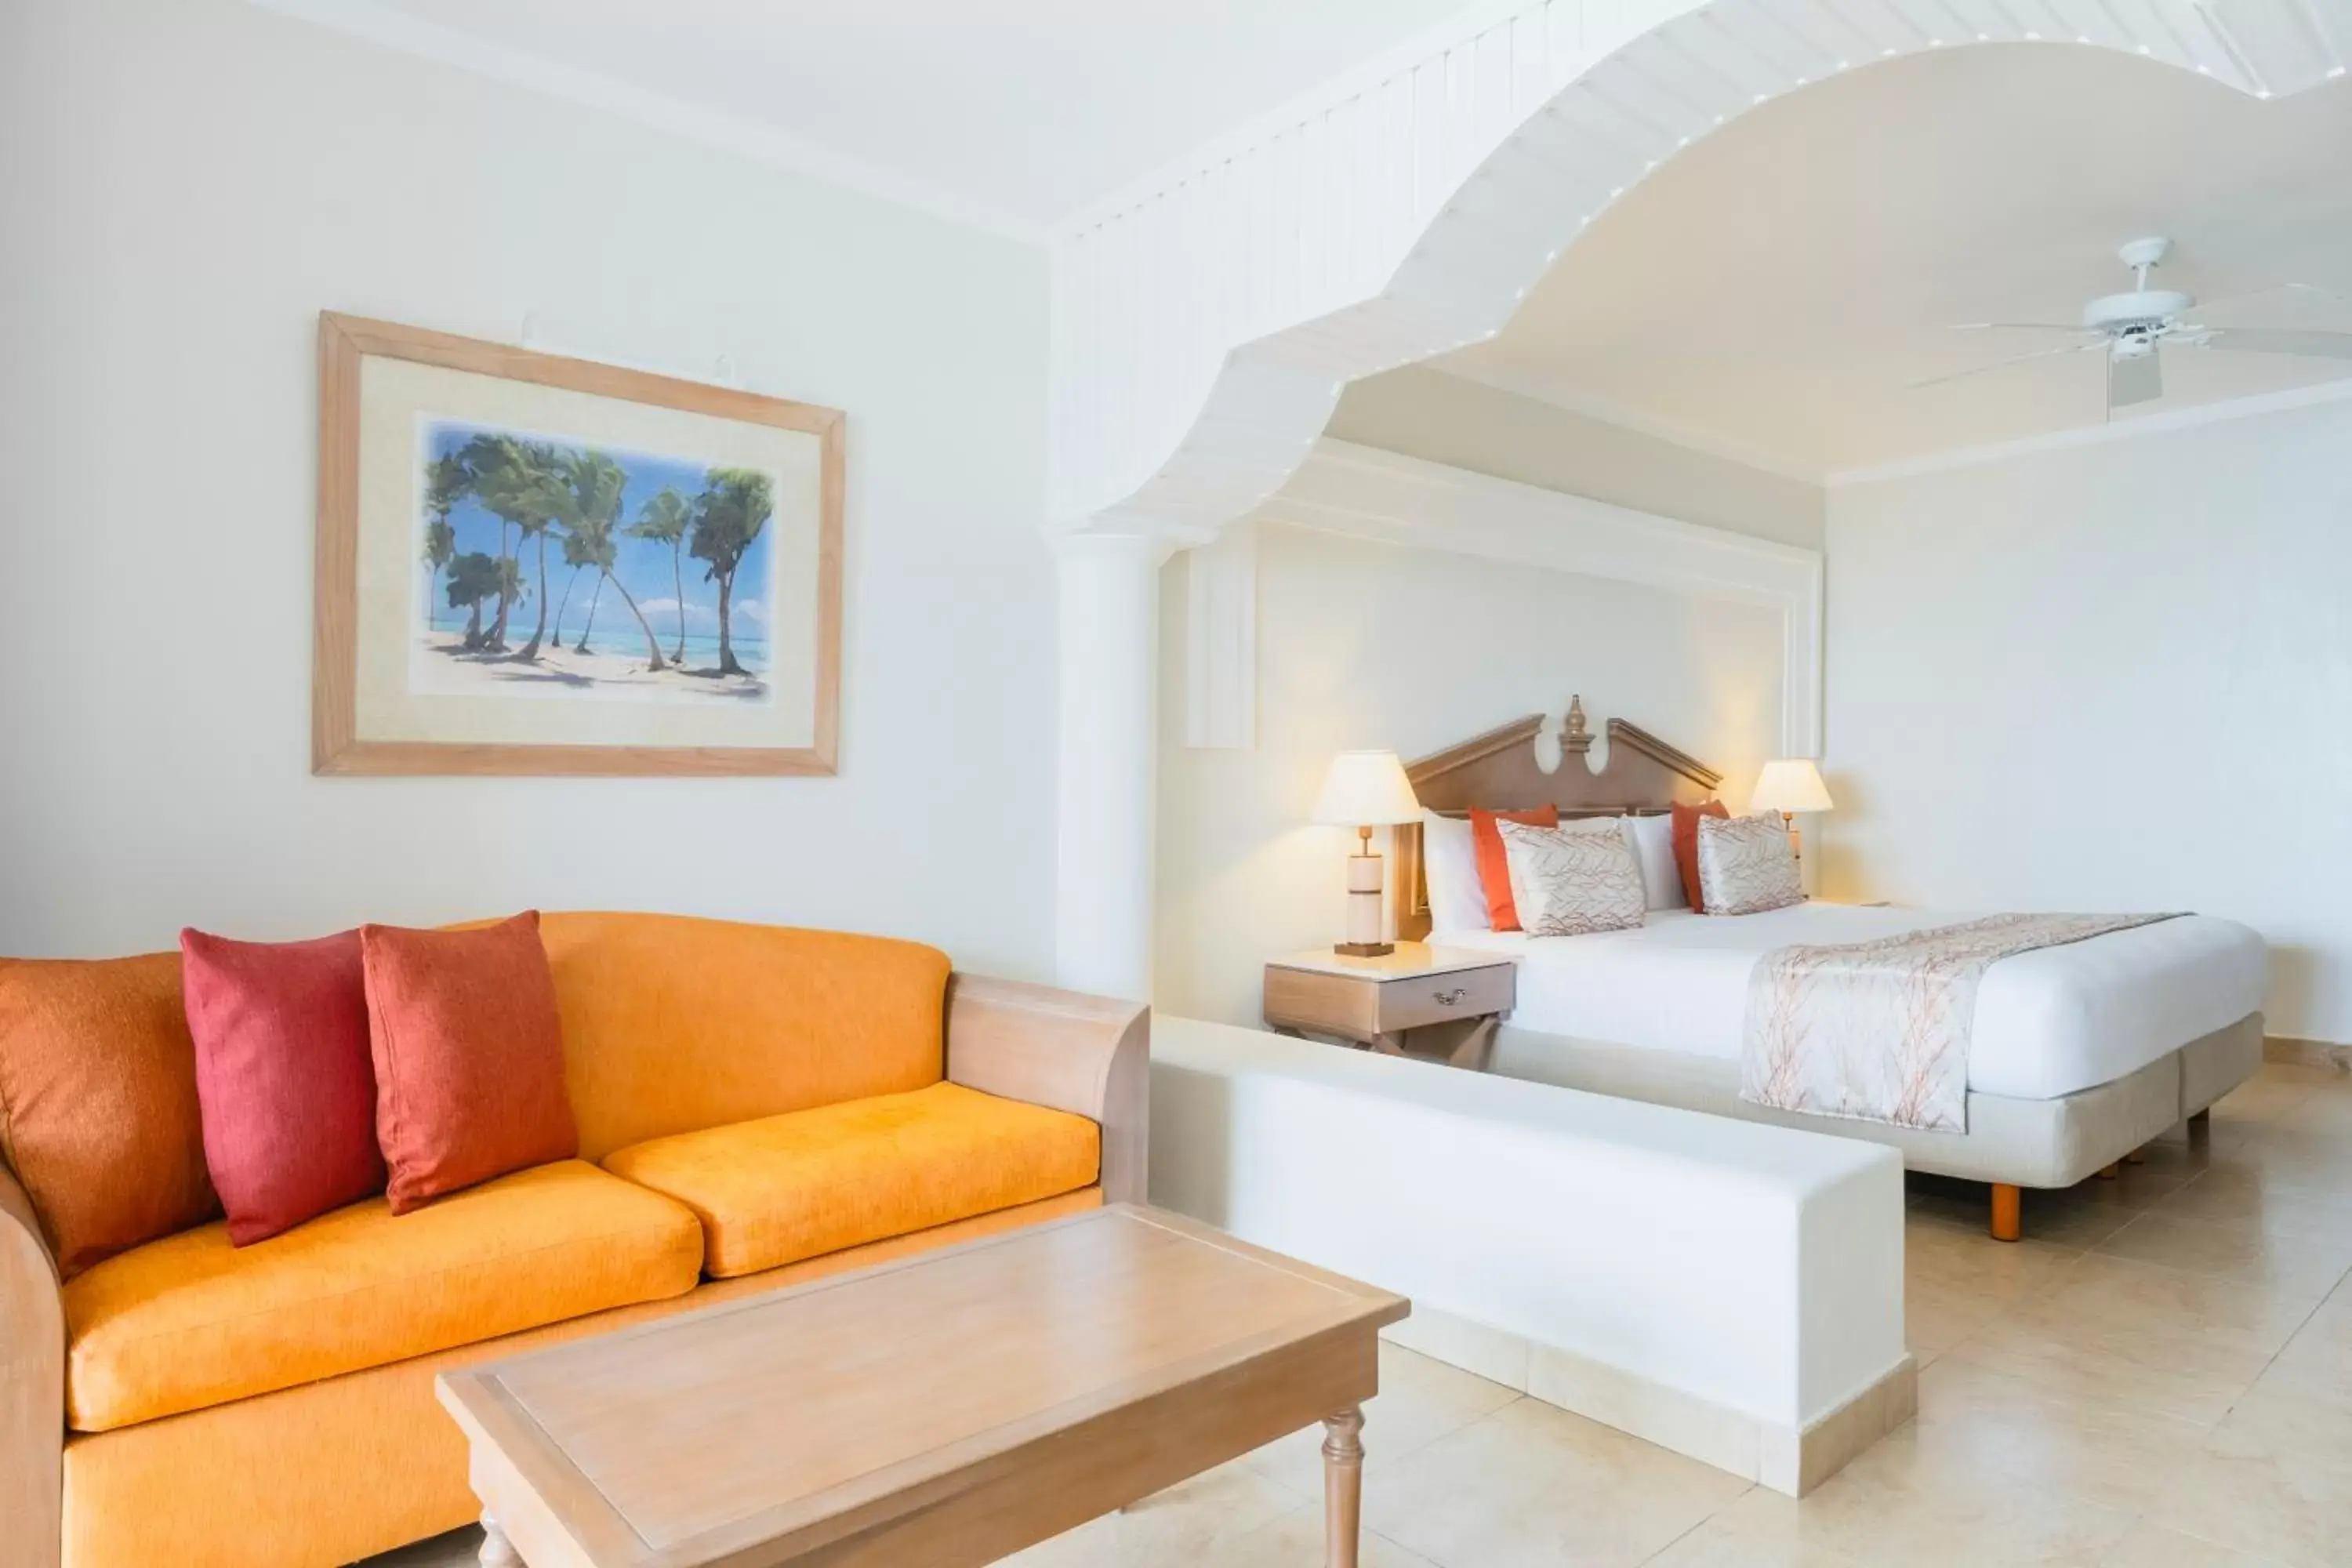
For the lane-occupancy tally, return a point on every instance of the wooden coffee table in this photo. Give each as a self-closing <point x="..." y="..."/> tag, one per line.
<point x="947" y="1409"/>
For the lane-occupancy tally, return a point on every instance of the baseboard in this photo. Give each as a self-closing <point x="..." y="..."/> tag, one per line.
<point x="1782" y="1458"/>
<point x="2307" y="1053"/>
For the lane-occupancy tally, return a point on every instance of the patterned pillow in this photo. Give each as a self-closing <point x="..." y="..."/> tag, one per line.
<point x="1744" y="866"/>
<point x="1573" y="879"/>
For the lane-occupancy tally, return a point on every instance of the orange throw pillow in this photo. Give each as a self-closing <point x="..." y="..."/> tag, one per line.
<point x="1686" y="846"/>
<point x="468" y="1053"/>
<point x="1494" y="866"/>
<point x="98" y="1115"/>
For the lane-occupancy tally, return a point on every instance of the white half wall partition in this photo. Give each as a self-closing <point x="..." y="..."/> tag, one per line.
<point x="1730" y="1290"/>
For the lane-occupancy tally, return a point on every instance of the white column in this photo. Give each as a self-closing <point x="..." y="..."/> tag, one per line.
<point x="1109" y="588"/>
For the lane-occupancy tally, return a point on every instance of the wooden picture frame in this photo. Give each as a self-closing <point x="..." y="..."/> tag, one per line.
<point x="341" y="694"/>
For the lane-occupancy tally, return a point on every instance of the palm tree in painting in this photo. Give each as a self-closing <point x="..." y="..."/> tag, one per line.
<point x="541" y="496"/>
<point x="473" y="578"/>
<point x="596" y="530"/>
<point x="446" y="484"/>
<point x="440" y="549"/>
<point x="664" y="520"/>
<point x="728" y="517"/>
<point x="513" y="481"/>
<point x="575" y="555"/>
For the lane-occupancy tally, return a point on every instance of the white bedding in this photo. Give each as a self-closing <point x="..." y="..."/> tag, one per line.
<point x="2048" y="1024"/>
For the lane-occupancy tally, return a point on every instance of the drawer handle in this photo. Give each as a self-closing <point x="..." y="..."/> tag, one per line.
<point x="1448" y="998"/>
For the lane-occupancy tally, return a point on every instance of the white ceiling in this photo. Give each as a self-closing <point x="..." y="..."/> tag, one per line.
<point x="1017" y="112"/>
<point x="1772" y="291"/>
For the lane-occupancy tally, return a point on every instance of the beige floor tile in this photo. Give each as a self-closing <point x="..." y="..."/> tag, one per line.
<point x="1296" y="1541"/>
<point x="2153" y="1546"/>
<point x="1985" y="1423"/>
<point x="2249" y="1251"/>
<point x="2108" y="1299"/>
<point x="1196" y="1522"/>
<point x="1912" y="1503"/>
<point x="2166" y="1374"/>
<point x="2072" y="1218"/>
<point x="2275" y="1478"/>
<point x="2236" y="1192"/>
<point x="1535" y="1487"/>
<point x="1727" y="1542"/>
<point x="1420" y="1401"/>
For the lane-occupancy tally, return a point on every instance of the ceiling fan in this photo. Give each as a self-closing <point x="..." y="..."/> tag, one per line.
<point x="2131" y="329"/>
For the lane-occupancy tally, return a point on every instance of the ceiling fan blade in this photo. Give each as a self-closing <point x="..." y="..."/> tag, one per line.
<point x="2307" y="289"/>
<point x="2281" y="341"/>
<point x="2137" y="380"/>
<point x="2003" y="365"/>
<point x="2020" y="327"/>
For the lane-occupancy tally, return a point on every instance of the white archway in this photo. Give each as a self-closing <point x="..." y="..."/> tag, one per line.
<point x="1203" y="332"/>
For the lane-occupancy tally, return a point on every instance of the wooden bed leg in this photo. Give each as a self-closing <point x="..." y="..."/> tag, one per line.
<point x="2109" y="1173"/>
<point x="2200" y="1126"/>
<point x="2137" y="1156"/>
<point x="2006" y="1202"/>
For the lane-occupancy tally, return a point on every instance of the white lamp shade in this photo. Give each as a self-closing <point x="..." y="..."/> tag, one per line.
<point x="1791" y="784"/>
<point x="1366" y="789"/>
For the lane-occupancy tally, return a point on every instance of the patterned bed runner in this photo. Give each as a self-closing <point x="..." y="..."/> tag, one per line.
<point x="1878" y="1031"/>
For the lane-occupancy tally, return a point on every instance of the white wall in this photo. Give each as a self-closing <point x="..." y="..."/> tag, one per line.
<point x="187" y="183"/>
<point x="1365" y="644"/>
<point x="1427" y="414"/>
<point x="2113" y="676"/>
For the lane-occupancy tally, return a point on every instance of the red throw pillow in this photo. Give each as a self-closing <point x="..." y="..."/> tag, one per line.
<point x="468" y="1055"/>
<point x="1686" y="846"/>
<point x="1494" y="866"/>
<point x="283" y="1076"/>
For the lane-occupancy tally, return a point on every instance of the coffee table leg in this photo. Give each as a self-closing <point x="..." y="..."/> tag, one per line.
<point x="497" y="1552"/>
<point x="1343" y="1486"/>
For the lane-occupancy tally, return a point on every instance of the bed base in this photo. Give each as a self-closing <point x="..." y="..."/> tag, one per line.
<point x="2010" y="1144"/>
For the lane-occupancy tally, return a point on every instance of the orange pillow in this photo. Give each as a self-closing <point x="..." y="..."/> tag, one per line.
<point x="1494" y="866"/>
<point x="468" y="1054"/>
<point x="98" y="1115"/>
<point x="1686" y="846"/>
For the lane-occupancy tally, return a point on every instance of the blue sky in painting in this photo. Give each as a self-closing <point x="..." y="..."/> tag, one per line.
<point x="644" y="565"/>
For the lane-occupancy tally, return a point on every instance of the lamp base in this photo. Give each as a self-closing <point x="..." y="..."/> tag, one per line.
<point x="1364" y="949"/>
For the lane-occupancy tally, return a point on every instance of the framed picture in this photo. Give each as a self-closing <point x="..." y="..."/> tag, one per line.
<point x="531" y="564"/>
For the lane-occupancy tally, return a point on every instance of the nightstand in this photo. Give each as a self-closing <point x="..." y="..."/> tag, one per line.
<point x="1418" y="1001"/>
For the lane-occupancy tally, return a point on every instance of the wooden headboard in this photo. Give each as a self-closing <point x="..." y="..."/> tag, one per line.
<point x="1499" y="772"/>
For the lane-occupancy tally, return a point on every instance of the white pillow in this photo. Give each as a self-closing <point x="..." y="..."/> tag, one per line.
<point x="1746" y="865"/>
<point x="1573" y="879"/>
<point x="1651" y="839"/>
<point x="1449" y="862"/>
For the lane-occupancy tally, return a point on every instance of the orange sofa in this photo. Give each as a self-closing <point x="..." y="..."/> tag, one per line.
<point x="756" y="1106"/>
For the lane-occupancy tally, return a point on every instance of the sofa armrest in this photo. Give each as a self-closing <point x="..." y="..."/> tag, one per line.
<point x="32" y="1387"/>
<point x="1087" y="1054"/>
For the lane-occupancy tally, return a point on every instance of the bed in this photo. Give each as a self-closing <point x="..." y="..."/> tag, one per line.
<point x="2078" y="1054"/>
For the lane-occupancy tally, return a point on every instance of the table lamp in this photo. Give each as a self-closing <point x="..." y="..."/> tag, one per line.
<point x="1365" y="790"/>
<point x="1789" y="786"/>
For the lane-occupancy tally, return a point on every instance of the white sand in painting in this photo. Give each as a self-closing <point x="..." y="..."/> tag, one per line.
<point x="442" y="667"/>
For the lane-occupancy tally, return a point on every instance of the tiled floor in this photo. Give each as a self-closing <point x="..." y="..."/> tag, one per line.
<point x="2159" y="1375"/>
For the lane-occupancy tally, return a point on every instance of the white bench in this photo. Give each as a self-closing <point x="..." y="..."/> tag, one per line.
<point x="1730" y="1290"/>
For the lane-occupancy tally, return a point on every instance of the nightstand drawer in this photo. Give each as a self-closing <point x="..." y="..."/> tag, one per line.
<point x="1436" y="998"/>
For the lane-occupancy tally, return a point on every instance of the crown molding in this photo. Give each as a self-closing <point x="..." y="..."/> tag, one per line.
<point x="1602" y="411"/>
<point x="372" y="22"/>
<point x="2100" y="434"/>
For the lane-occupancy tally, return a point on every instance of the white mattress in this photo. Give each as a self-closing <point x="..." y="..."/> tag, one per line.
<point x="2048" y="1023"/>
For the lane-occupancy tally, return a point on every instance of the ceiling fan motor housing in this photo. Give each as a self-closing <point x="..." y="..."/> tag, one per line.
<point x="2141" y="309"/>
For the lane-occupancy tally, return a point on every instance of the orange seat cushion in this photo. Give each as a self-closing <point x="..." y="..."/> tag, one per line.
<point x="676" y="1024"/>
<point x="783" y="1188"/>
<point x="190" y="1321"/>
